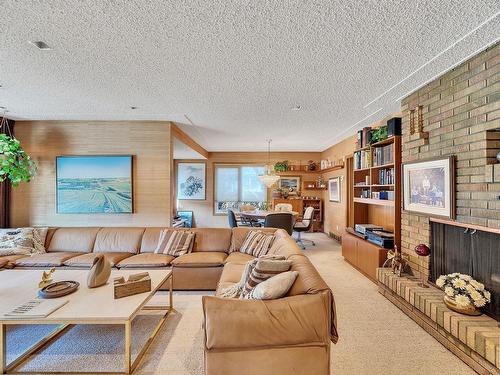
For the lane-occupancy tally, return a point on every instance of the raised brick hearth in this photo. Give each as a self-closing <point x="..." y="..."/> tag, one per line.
<point x="474" y="339"/>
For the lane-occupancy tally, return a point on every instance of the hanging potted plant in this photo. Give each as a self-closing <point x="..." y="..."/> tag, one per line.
<point x="16" y="165"/>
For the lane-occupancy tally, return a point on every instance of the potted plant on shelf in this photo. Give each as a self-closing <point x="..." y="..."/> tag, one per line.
<point x="16" y="165"/>
<point x="463" y="294"/>
<point x="281" y="166"/>
<point x="378" y="134"/>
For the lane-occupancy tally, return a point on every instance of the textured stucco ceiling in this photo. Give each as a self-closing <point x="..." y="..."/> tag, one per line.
<point x="229" y="71"/>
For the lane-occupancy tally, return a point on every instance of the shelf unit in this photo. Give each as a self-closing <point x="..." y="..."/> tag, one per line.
<point x="366" y="183"/>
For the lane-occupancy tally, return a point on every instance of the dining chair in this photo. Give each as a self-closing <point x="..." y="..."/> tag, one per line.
<point x="283" y="220"/>
<point x="233" y="223"/>
<point x="304" y="226"/>
<point x="283" y="207"/>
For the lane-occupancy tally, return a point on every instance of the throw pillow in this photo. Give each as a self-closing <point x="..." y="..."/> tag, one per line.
<point x="175" y="242"/>
<point x="264" y="269"/>
<point x="19" y="241"/>
<point x="235" y="290"/>
<point x="39" y="236"/>
<point x="275" y="287"/>
<point x="257" y="243"/>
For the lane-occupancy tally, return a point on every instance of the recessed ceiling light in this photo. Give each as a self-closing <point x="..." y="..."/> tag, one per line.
<point x="296" y="108"/>
<point x="41" y="45"/>
<point x="133" y="107"/>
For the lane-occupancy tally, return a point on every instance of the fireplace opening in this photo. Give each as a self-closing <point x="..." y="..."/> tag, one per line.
<point x="469" y="251"/>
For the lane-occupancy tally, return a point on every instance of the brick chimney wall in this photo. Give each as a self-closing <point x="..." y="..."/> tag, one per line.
<point x="461" y="116"/>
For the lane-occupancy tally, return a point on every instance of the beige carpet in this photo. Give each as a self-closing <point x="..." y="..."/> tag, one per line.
<point x="375" y="336"/>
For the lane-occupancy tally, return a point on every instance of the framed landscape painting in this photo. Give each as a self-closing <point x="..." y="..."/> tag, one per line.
<point x="191" y="181"/>
<point x="94" y="184"/>
<point x="429" y="187"/>
<point x="292" y="183"/>
<point x="334" y="189"/>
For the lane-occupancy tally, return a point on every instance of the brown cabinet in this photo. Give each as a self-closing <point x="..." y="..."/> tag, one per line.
<point x="363" y="255"/>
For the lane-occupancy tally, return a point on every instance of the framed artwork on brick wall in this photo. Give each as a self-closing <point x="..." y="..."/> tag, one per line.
<point x="429" y="187"/>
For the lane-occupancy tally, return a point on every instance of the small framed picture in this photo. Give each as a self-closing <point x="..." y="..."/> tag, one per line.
<point x="191" y="181"/>
<point x="429" y="187"/>
<point x="292" y="183"/>
<point x="187" y="216"/>
<point x="334" y="189"/>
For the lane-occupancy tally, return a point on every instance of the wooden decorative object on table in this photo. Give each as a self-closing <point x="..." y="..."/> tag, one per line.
<point x="59" y="289"/>
<point x="99" y="272"/>
<point x="136" y="284"/>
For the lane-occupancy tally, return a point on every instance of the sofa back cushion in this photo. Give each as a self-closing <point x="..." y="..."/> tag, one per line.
<point x="118" y="240"/>
<point x="308" y="281"/>
<point x="78" y="240"/>
<point x="284" y="245"/>
<point x="150" y="239"/>
<point x="239" y="234"/>
<point x="212" y="239"/>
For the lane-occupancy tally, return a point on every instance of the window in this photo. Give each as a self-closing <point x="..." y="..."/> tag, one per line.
<point x="238" y="184"/>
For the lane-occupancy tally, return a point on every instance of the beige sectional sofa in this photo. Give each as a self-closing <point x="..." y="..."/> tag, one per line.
<point x="284" y="336"/>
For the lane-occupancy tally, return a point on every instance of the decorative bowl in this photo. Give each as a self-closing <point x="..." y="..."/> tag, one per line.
<point x="470" y="309"/>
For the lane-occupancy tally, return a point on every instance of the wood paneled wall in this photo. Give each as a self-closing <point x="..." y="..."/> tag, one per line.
<point x="149" y="142"/>
<point x="335" y="213"/>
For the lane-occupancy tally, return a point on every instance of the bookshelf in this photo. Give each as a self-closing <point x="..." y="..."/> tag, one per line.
<point x="375" y="199"/>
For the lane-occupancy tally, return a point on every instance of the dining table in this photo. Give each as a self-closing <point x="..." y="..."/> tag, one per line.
<point x="261" y="214"/>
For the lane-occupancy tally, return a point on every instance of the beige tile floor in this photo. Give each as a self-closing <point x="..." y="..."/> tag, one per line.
<point x="375" y="336"/>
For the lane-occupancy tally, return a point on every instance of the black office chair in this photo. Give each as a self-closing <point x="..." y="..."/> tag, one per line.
<point x="232" y="219"/>
<point x="283" y="220"/>
<point x="304" y="226"/>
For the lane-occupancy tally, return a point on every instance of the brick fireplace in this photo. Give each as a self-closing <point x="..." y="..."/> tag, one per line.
<point x="457" y="114"/>
<point x="460" y="115"/>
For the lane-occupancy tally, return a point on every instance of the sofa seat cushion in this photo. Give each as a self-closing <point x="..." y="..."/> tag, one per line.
<point x="86" y="260"/>
<point x="232" y="273"/>
<point x="52" y="259"/>
<point x="146" y="260"/>
<point x="240" y="258"/>
<point x="10" y="260"/>
<point x="200" y="259"/>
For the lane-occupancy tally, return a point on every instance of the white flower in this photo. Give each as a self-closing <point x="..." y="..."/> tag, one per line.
<point x="480" y="302"/>
<point x="459" y="283"/>
<point x="454" y="274"/>
<point x="487" y="295"/>
<point x="440" y="281"/>
<point x="470" y="288"/>
<point x="462" y="300"/>
<point x="465" y="277"/>
<point x="449" y="291"/>
<point x="476" y="296"/>
<point x="477" y="285"/>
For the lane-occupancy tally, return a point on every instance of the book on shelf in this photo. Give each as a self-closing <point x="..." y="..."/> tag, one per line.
<point x="386" y="176"/>
<point x="362" y="159"/>
<point x="383" y="155"/>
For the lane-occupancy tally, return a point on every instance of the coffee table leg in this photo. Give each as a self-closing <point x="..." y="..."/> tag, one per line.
<point x="128" y="347"/>
<point x="3" y="348"/>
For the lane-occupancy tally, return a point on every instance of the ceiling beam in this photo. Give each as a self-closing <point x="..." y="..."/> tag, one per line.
<point x="187" y="140"/>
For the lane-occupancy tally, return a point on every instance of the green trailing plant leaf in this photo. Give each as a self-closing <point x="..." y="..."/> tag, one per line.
<point x="17" y="165"/>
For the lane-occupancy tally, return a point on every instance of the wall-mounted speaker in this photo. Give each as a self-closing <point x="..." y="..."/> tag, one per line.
<point x="394" y="126"/>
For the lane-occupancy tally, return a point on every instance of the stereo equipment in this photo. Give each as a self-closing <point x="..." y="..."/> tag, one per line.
<point x="364" y="228"/>
<point x="381" y="238"/>
<point x="394" y="126"/>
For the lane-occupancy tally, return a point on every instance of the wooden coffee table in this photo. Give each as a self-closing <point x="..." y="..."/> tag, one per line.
<point x="85" y="306"/>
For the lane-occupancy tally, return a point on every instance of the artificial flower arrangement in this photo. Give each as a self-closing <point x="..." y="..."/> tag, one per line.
<point x="464" y="290"/>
